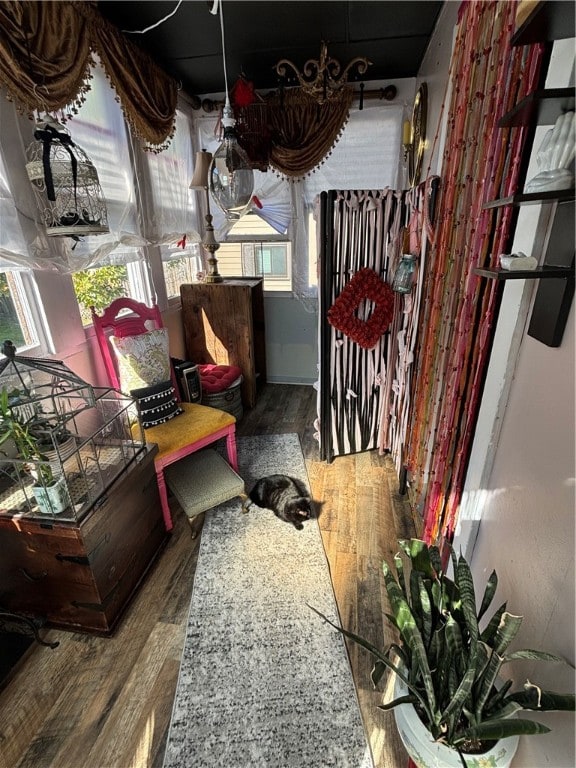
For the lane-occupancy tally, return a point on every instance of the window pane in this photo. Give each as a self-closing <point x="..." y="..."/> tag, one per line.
<point x="178" y="271"/>
<point x="248" y="252"/>
<point x="15" y="321"/>
<point x="99" y="287"/>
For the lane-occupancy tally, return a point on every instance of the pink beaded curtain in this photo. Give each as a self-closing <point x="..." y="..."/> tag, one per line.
<point x="480" y="163"/>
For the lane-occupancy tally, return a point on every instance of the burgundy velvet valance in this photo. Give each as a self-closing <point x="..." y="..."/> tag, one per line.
<point x="46" y="56"/>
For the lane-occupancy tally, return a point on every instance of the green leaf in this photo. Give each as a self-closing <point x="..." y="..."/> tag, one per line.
<point x="528" y="653"/>
<point x="468" y="597"/>
<point x="426" y="609"/>
<point x="415" y="603"/>
<point x="420" y="557"/>
<point x="543" y="701"/>
<point x="399" y="565"/>
<point x="435" y="559"/>
<point x="396" y="702"/>
<point x="509" y="709"/>
<point x="410" y="634"/>
<point x="487" y="683"/>
<point x="453" y="636"/>
<point x="500" y="729"/>
<point x="461" y="693"/>
<point x="489" y="633"/>
<point x="489" y="593"/>
<point x="496" y="698"/>
<point x="506" y="632"/>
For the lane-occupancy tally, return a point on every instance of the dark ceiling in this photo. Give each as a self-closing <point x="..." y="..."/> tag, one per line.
<point x="393" y="35"/>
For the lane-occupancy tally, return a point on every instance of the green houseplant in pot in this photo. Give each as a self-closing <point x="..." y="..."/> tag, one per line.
<point x="32" y="452"/>
<point x="449" y="671"/>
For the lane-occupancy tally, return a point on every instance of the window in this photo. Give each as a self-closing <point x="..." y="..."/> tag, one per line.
<point x="100" y="130"/>
<point x="252" y="248"/>
<point x="365" y="157"/>
<point x="171" y="222"/>
<point x="16" y="322"/>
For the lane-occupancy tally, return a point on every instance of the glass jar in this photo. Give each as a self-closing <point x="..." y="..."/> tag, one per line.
<point x="405" y="272"/>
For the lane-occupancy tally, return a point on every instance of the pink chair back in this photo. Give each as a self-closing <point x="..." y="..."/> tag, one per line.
<point x="115" y="321"/>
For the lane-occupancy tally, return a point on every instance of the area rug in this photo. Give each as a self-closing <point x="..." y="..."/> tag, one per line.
<point x="264" y="682"/>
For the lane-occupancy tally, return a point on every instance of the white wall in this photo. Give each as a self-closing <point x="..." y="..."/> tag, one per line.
<point x="527" y="529"/>
<point x="434" y="72"/>
<point x="291" y="340"/>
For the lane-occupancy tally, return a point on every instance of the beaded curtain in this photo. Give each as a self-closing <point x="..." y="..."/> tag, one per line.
<point x="480" y="163"/>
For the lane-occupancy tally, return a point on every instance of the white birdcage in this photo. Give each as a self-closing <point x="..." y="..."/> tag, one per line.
<point x="65" y="183"/>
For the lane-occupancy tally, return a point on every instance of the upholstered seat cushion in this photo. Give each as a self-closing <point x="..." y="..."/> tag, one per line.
<point x="202" y="481"/>
<point x="195" y="423"/>
<point x="217" y="378"/>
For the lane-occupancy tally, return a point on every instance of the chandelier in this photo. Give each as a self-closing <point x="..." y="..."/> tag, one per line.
<point x="322" y="78"/>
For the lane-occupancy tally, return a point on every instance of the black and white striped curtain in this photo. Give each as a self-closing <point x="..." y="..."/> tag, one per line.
<point x="365" y="394"/>
<point x="358" y="229"/>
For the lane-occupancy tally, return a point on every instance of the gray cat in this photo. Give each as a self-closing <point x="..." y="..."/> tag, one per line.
<point x="285" y="496"/>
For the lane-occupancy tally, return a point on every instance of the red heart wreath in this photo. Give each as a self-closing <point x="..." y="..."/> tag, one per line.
<point x="364" y="285"/>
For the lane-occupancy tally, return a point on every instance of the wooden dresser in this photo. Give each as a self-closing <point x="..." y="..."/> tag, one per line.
<point x="224" y="324"/>
<point x="81" y="575"/>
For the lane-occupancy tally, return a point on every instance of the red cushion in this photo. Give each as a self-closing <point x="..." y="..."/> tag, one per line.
<point x="217" y="378"/>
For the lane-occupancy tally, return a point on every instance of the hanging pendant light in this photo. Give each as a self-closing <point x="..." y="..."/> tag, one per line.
<point x="231" y="174"/>
<point x="65" y="183"/>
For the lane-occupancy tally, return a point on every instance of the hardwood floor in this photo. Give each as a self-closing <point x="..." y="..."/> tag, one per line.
<point x="106" y="702"/>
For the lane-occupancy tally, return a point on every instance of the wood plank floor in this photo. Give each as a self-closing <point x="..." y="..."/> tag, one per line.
<point x="106" y="702"/>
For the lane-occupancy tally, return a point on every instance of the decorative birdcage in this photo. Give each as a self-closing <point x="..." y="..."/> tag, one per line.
<point x="65" y="183"/>
<point x="62" y="441"/>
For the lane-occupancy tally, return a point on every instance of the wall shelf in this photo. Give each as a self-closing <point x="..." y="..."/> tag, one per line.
<point x="532" y="198"/>
<point x="552" y="20"/>
<point x="543" y="23"/>
<point x="524" y="274"/>
<point x="539" y="108"/>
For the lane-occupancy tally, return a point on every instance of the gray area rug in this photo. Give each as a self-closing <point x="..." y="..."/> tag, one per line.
<point x="264" y="682"/>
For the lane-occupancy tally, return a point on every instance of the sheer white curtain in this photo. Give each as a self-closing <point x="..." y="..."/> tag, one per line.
<point x="147" y="196"/>
<point x="366" y="156"/>
<point x="174" y="207"/>
<point x="100" y="130"/>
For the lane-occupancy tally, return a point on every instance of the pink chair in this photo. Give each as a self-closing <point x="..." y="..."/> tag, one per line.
<point x="197" y="427"/>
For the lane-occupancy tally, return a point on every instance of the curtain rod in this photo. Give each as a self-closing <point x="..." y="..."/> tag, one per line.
<point x="384" y="94"/>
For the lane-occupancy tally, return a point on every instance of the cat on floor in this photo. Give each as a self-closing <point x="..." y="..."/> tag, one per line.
<point x="285" y="496"/>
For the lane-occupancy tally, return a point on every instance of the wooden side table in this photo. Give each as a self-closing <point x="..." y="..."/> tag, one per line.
<point x="224" y="324"/>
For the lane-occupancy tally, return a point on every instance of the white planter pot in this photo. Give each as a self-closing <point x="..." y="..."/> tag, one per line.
<point x="426" y="753"/>
<point x="52" y="499"/>
<point x="65" y="450"/>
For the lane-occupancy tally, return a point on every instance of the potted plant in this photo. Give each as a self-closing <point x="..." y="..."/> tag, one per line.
<point x="449" y="670"/>
<point x="33" y="444"/>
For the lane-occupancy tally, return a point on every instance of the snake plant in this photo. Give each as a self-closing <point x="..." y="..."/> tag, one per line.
<point x="452" y="667"/>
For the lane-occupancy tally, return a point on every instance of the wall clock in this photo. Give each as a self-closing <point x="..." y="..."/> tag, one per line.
<point x="416" y="152"/>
